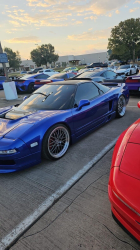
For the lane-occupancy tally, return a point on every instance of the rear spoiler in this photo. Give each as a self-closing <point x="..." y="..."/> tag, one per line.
<point x="78" y="78"/>
<point x="114" y="84"/>
<point x="108" y="84"/>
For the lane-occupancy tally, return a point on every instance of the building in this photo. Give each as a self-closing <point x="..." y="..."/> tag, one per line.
<point x="27" y="65"/>
<point x="69" y="60"/>
<point x="83" y="59"/>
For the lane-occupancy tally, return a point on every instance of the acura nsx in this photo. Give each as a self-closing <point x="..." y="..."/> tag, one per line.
<point x="54" y="116"/>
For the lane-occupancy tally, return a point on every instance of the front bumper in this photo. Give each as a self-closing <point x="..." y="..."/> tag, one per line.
<point x="23" y="158"/>
<point x="125" y="215"/>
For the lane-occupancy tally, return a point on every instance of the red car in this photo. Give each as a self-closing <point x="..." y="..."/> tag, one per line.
<point x="124" y="181"/>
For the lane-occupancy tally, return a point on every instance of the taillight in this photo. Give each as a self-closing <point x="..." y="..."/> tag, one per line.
<point x="42" y="82"/>
<point x="121" y="145"/>
<point x="129" y="79"/>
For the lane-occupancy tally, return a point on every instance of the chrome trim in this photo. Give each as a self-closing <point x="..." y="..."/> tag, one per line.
<point x="126" y="204"/>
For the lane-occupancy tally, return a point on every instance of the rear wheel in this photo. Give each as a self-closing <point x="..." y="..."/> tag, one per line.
<point x="121" y="107"/>
<point x="56" y="142"/>
<point x="31" y="87"/>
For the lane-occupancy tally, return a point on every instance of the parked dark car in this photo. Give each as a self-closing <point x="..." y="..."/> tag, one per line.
<point x="35" y="70"/>
<point x="102" y="75"/>
<point x="53" y="78"/>
<point x="98" y="64"/>
<point x="26" y="83"/>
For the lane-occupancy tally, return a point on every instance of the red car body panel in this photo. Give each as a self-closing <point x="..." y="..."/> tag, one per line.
<point x="124" y="181"/>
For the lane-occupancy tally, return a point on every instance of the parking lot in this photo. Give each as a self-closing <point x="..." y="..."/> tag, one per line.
<point x="81" y="219"/>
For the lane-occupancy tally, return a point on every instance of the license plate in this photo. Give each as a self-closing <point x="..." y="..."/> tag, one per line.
<point x="139" y="89"/>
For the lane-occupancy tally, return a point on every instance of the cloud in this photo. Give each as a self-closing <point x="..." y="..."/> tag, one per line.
<point x="53" y="13"/>
<point x="134" y="9"/>
<point x="29" y="39"/>
<point x="109" y="15"/>
<point x="117" y="12"/>
<point x="90" y="35"/>
<point x="15" y="23"/>
<point x="97" y="7"/>
<point x="91" y="17"/>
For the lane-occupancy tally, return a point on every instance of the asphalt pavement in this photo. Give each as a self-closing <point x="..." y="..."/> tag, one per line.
<point x="81" y="219"/>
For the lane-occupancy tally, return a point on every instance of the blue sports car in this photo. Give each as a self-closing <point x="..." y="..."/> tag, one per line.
<point x="54" y="116"/>
<point x="53" y="78"/>
<point x="26" y="83"/>
<point x="2" y="80"/>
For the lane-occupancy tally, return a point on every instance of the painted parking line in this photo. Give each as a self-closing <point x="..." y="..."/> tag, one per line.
<point x="18" y="231"/>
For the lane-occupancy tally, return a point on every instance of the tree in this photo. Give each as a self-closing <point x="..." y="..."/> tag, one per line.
<point x="13" y="58"/>
<point x="44" y="54"/>
<point x="124" y="39"/>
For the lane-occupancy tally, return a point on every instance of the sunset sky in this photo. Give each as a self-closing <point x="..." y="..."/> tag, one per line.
<point x="73" y="27"/>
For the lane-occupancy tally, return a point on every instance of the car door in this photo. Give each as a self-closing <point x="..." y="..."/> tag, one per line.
<point x="89" y="116"/>
<point x="133" y="69"/>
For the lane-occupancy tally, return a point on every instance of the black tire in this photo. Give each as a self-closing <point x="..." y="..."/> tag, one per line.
<point x="121" y="107"/>
<point x="31" y="87"/>
<point x="52" y="145"/>
<point x="130" y="73"/>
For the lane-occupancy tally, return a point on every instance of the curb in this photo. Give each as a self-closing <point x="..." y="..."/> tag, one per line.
<point x="28" y="222"/>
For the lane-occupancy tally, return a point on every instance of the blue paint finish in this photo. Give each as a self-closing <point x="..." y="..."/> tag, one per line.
<point x="23" y="83"/>
<point x="19" y="134"/>
<point x="36" y="86"/>
<point x="2" y="80"/>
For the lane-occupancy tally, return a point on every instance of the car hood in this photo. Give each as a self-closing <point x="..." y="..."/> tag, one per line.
<point x="25" y="121"/>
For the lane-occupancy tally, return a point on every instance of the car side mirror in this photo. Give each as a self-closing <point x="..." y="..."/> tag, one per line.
<point x="83" y="103"/>
<point x="24" y="98"/>
<point x="138" y="105"/>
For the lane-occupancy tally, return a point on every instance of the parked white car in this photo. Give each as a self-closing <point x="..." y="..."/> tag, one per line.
<point x="126" y="70"/>
<point x="49" y="72"/>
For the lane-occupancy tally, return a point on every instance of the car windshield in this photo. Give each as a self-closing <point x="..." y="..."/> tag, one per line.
<point x="50" y="97"/>
<point x="85" y="75"/>
<point x="25" y="77"/>
<point x="124" y="67"/>
<point x="57" y="76"/>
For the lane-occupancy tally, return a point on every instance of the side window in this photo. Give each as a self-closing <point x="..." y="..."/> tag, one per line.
<point x="110" y="74"/>
<point x="71" y="75"/>
<point x="65" y="77"/>
<point x="62" y="76"/>
<point x="86" y="91"/>
<point x="42" y="76"/>
<point x="47" y="70"/>
<point x="38" y="77"/>
<point x="104" y="74"/>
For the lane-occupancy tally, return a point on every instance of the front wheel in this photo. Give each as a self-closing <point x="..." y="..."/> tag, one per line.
<point x="56" y="142"/>
<point x="121" y="107"/>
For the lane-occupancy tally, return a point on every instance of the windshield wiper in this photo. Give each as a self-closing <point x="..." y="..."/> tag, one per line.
<point x="46" y="96"/>
<point x="39" y="93"/>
